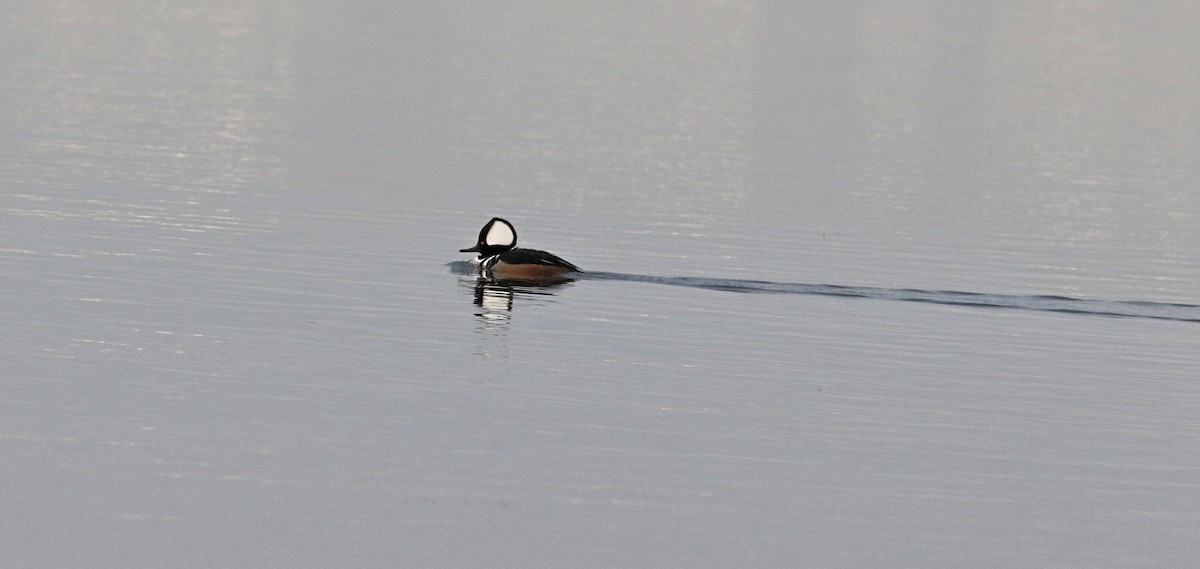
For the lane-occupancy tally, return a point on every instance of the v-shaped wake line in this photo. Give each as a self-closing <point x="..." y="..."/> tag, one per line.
<point x="1044" y="303"/>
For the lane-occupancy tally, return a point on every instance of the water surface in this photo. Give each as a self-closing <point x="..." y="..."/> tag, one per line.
<point x="964" y="239"/>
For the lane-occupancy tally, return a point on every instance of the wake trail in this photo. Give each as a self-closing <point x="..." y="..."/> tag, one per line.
<point x="1113" y="308"/>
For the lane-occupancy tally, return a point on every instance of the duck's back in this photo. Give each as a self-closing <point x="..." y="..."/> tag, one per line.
<point x="533" y="257"/>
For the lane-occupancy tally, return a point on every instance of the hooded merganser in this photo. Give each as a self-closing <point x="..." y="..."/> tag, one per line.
<point x="500" y="259"/>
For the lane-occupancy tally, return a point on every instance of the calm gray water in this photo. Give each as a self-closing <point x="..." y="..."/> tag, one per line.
<point x="870" y="284"/>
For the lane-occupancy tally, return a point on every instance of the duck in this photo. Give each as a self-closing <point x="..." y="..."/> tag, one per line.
<point x="500" y="259"/>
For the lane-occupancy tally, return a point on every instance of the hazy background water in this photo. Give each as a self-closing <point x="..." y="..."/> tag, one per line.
<point x="231" y="339"/>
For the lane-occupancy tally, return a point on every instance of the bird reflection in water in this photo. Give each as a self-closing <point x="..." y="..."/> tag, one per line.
<point x="495" y="299"/>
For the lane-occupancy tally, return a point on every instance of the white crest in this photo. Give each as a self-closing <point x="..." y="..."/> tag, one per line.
<point x="501" y="234"/>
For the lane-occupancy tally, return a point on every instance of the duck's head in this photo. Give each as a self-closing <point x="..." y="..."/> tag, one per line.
<point x="496" y="237"/>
